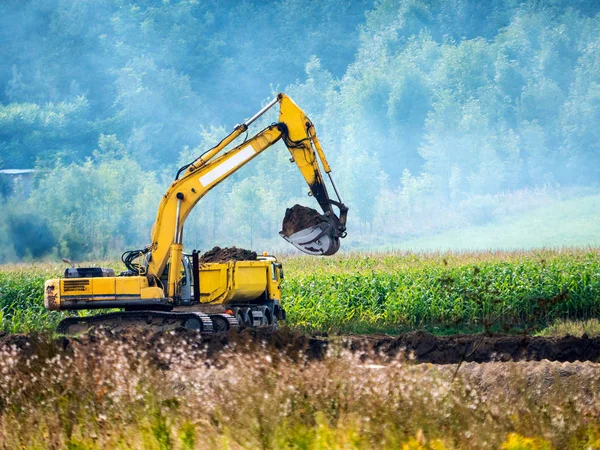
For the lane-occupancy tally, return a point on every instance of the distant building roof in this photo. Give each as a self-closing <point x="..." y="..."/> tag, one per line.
<point x="17" y="171"/>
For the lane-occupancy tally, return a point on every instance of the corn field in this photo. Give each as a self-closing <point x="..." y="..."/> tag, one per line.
<point x="388" y="292"/>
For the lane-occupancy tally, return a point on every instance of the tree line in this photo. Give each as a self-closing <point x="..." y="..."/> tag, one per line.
<point x="431" y="112"/>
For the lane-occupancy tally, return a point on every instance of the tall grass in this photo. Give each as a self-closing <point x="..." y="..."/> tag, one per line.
<point x="22" y="298"/>
<point x="108" y="393"/>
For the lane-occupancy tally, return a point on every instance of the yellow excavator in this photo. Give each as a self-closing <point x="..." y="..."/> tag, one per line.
<point x="164" y="289"/>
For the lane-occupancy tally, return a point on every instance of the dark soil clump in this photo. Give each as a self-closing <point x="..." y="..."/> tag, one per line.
<point x="159" y="346"/>
<point x="221" y="255"/>
<point x="424" y="347"/>
<point x="298" y="218"/>
<point x="417" y="346"/>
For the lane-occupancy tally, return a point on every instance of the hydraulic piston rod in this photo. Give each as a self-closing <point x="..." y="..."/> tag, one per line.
<point x="176" y="251"/>
<point x="261" y="112"/>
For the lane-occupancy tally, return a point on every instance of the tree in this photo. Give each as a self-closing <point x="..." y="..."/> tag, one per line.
<point x="89" y="206"/>
<point x="244" y="208"/>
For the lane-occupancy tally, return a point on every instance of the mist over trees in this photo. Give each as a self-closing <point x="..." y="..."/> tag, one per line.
<point x="433" y="114"/>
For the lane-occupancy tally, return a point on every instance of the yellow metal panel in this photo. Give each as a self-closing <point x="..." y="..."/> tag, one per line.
<point x="103" y="286"/>
<point x="250" y="280"/>
<point x="213" y="282"/>
<point x="129" y="285"/>
<point x="274" y="283"/>
<point x="76" y="286"/>
<point x="152" y="292"/>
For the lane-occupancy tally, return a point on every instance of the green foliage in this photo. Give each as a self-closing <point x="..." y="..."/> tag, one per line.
<point x="422" y="107"/>
<point x="24" y="233"/>
<point x="89" y="204"/>
<point x="400" y="292"/>
<point x="29" y="131"/>
<point x="187" y="436"/>
<point x="22" y="300"/>
<point x="590" y="328"/>
<point x="393" y="291"/>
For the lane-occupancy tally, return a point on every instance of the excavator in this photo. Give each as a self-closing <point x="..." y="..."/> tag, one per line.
<point x="164" y="288"/>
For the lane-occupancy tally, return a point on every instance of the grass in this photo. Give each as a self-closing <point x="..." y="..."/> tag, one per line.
<point x="390" y="292"/>
<point x="563" y="223"/>
<point x="590" y="327"/>
<point x="108" y="393"/>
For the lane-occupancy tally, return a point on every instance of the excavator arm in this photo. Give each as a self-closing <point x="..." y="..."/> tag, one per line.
<point x="298" y="133"/>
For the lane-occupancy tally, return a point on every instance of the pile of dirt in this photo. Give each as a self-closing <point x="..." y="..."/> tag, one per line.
<point x="417" y="346"/>
<point x="424" y="347"/>
<point x="160" y="347"/>
<point x="221" y="255"/>
<point x="300" y="217"/>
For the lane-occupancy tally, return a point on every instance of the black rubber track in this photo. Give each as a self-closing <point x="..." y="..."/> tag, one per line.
<point x="142" y="319"/>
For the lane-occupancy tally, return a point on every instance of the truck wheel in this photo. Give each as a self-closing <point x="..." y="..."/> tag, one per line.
<point x="220" y="323"/>
<point x="275" y="324"/>
<point x="244" y="317"/>
<point x="268" y="316"/>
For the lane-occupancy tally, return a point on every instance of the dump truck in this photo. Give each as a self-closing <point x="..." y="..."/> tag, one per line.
<point x="164" y="288"/>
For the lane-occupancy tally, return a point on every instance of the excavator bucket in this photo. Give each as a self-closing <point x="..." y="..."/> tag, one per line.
<point x="311" y="232"/>
<point x="316" y="240"/>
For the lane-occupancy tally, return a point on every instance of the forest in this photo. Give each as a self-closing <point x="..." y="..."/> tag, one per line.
<point x="438" y="118"/>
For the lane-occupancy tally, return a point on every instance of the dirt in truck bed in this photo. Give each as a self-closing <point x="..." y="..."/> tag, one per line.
<point x="221" y="255"/>
<point x="416" y="346"/>
<point x="300" y="217"/>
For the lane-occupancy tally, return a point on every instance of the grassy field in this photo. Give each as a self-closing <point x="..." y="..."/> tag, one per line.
<point x="563" y="223"/>
<point x="112" y="393"/>
<point x="167" y="392"/>
<point x="390" y="292"/>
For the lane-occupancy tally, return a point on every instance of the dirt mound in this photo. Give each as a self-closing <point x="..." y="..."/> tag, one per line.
<point x="169" y="349"/>
<point x="298" y="218"/>
<point x="220" y="255"/>
<point x="418" y="346"/>
<point x="424" y="347"/>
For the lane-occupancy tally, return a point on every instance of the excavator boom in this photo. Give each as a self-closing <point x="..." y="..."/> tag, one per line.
<point x="297" y="132"/>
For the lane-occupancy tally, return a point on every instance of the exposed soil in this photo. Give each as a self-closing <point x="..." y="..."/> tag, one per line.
<point x="417" y="346"/>
<point x="424" y="347"/>
<point x="160" y="346"/>
<point x="300" y="217"/>
<point x="220" y="255"/>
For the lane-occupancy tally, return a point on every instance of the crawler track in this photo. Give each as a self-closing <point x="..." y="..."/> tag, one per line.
<point x="156" y="321"/>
